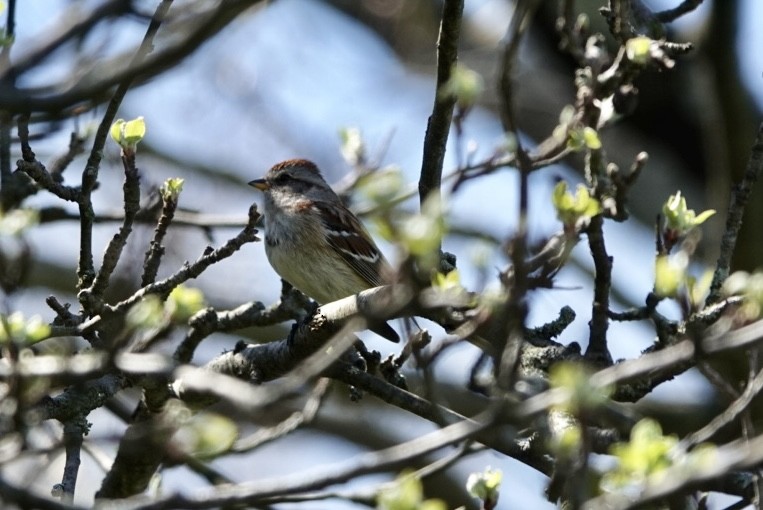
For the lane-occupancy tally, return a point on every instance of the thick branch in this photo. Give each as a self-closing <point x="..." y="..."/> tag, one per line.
<point x="79" y="400"/>
<point x="291" y="306"/>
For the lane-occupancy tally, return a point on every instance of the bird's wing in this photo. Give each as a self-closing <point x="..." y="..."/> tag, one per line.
<point x="347" y="235"/>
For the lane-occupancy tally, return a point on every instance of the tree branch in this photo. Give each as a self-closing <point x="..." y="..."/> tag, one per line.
<point x="17" y="100"/>
<point x="373" y="462"/>
<point x="74" y="430"/>
<point x="739" y="197"/>
<point x="597" y="341"/>
<point x="114" y="249"/>
<point x="155" y="251"/>
<point x="189" y="271"/>
<point x="85" y="268"/>
<point x="438" y="125"/>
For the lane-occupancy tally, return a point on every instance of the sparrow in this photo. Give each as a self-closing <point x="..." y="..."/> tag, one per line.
<point x="313" y="241"/>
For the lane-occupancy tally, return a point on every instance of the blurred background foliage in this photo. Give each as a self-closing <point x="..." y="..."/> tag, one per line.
<point x="697" y="121"/>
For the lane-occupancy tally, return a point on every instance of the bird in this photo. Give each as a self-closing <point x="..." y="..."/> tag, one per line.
<point x="314" y="242"/>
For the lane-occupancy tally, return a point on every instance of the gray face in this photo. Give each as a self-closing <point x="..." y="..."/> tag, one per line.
<point x="290" y="188"/>
<point x="295" y="180"/>
<point x="285" y="180"/>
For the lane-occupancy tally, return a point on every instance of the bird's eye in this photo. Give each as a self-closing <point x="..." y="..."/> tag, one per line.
<point x="282" y="178"/>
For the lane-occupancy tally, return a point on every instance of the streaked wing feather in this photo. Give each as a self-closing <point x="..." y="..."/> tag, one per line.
<point x="350" y="239"/>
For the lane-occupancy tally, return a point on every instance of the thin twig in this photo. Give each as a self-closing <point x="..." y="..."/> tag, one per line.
<point x="182" y="218"/>
<point x="524" y="450"/>
<point x="155" y="251"/>
<point x="5" y="155"/>
<point x="290" y="424"/>
<point x="58" y="165"/>
<point x="17" y="100"/>
<point x="85" y="268"/>
<point x="117" y="243"/>
<point x="515" y="309"/>
<point x="189" y="271"/>
<point x="739" y="197"/>
<point x="597" y="342"/>
<point x="748" y="424"/>
<point x="378" y="461"/>
<point x="368" y="495"/>
<point x="717" y="379"/>
<point x="205" y="470"/>
<point x="438" y="125"/>
<point x="292" y="306"/>
<point x="572" y="40"/>
<point x="676" y="478"/>
<point x="753" y="388"/>
<point x="73" y="433"/>
<point x="76" y="29"/>
<point x="37" y="171"/>
<point x="10" y="23"/>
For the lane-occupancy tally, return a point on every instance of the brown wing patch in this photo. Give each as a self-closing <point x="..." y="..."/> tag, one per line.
<point x="350" y="239"/>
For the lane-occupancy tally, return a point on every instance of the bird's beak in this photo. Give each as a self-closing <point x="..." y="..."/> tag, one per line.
<point x="260" y="184"/>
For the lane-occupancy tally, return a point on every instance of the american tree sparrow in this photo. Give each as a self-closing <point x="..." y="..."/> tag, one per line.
<point x="313" y="241"/>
